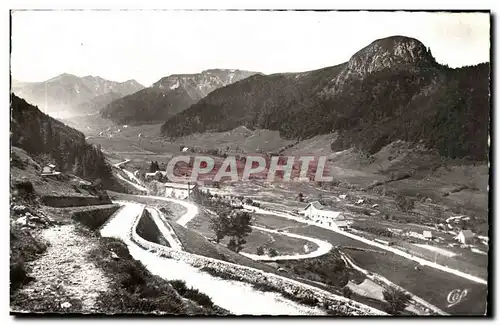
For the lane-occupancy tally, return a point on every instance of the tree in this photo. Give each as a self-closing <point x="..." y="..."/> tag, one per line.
<point x="404" y="203"/>
<point x="154" y="167"/>
<point x="347" y="292"/>
<point x="397" y="301"/>
<point x="77" y="168"/>
<point x="260" y="250"/>
<point x="240" y="223"/>
<point x="220" y="226"/>
<point x="235" y="224"/>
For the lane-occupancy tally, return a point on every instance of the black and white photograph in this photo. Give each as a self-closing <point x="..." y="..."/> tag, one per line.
<point x="329" y="163"/>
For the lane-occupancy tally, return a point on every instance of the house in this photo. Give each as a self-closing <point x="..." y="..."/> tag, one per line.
<point x="178" y="190"/>
<point x="465" y="237"/>
<point x="318" y="213"/>
<point x="158" y="175"/>
<point x="49" y="169"/>
<point x="427" y="235"/>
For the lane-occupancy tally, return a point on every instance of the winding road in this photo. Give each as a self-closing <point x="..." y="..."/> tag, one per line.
<point x="223" y="293"/>
<point x="323" y="246"/>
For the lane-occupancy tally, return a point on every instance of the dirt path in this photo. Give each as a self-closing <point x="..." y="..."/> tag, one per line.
<point x="64" y="267"/>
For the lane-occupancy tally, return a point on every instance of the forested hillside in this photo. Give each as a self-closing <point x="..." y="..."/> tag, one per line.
<point x="393" y="89"/>
<point x="50" y="141"/>
<point x="169" y="96"/>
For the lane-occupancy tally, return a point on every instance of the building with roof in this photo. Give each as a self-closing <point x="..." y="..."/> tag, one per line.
<point x="178" y="190"/>
<point x="427" y="235"/>
<point x="465" y="237"/>
<point x="49" y="169"/>
<point x="320" y="214"/>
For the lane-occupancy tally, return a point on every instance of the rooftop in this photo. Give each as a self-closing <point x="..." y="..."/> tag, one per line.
<point x="180" y="186"/>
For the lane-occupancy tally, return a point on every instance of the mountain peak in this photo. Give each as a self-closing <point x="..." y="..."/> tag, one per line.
<point x="389" y="52"/>
<point x="63" y="76"/>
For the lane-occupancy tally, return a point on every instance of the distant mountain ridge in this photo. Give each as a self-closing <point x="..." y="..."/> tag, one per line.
<point x="170" y="95"/>
<point x="393" y="89"/>
<point x="66" y="94"/>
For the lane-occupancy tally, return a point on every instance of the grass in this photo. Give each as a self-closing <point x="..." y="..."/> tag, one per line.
<point x="282" y="244"/>
<point x="429" y="284"/>
<point x="328" y="269"/>
<point x="24" y="247"/>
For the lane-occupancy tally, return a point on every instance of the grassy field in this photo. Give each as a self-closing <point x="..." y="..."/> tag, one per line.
<point x="429" y="284"/>
<point x="282" y="244"/>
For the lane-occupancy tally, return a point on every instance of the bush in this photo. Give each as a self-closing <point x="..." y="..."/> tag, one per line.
<point x="376" y="230"/>
<point x="192" y="294"/>
<point x="24" y="187"/>
<point x="273" y="252"/>
<point x="260" y="250"/>
<point x="347" y="292"/>
<point x="404" y="203"/>
<point x="397" y="301"/>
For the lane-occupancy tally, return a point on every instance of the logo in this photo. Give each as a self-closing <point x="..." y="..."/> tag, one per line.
<point x="234" y="168"/>
<point x="455" y="296"/>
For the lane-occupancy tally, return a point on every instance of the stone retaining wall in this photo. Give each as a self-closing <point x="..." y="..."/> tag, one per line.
<point x="95" y="217"/>
<point x="73" y="201"/>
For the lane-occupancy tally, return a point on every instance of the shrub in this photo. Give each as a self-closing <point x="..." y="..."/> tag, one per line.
<point x="397" y="301"/>
<point x="273" y="252"/>
<point x="24" y="187"/>
<point x="347" y="292"/>
<point x="192" y="294"/>
<point x="260" y="250"/>
<point x="404" y="203"/>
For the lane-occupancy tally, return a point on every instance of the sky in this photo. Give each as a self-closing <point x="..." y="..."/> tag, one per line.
<point x="148" y="45"/>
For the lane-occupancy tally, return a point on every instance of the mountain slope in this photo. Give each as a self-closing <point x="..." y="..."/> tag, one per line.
<point x="392" y="89"/>
<point x="50" y="141"/>
<point x="169" y="96"/>
<point x="63" y="95"/>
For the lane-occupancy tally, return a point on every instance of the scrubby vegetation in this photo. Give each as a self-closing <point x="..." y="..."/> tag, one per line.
<point x="329" y="269"/>
<point x="372" y="229"/>
<point x="397" y="301"/>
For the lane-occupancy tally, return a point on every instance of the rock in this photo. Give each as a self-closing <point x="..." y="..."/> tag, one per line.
<point x="22" y="221"/>
<point x="65" y="305"/>
<point x="114" y="256"/>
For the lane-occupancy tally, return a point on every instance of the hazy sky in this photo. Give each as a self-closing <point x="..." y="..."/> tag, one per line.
<point x="147" y="45"/>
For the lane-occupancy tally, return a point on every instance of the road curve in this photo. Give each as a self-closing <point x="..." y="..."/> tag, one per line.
<point x="323" y="248"/>
<point x="372" y="243"/>
<point x="238" y="297"/>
